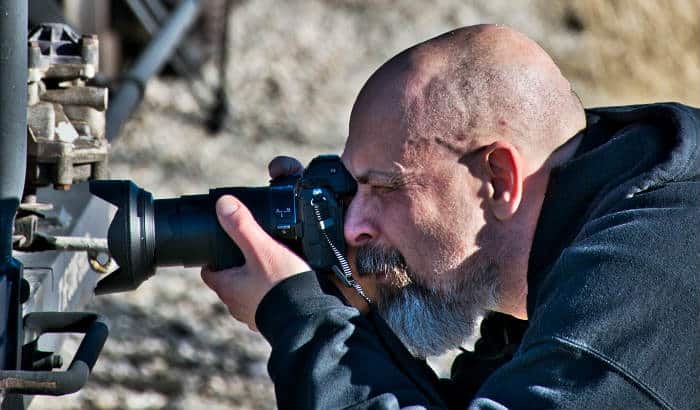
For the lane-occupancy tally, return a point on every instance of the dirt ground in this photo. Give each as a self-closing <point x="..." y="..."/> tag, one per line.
<point x="296" y="67"/>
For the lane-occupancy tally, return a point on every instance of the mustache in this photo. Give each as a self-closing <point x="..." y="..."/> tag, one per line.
<point x="373" y="260"/>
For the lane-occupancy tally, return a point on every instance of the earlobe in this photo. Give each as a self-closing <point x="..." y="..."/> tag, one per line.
<point x="504" y="170"/>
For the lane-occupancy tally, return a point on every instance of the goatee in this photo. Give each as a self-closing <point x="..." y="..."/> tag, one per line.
<point x="429" y="320"/>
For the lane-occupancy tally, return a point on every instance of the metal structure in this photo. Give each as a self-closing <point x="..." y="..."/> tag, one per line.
<point x="66" y="116"/>
<point x="43" y="82"/>
<point x="152" y="15"/>
<point x="148" y="64"/>
<point x="53" y="138"/>
<point x="13" y="123"/>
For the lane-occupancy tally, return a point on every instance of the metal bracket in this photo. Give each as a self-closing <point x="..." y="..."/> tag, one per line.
<point x="59" y="382"/>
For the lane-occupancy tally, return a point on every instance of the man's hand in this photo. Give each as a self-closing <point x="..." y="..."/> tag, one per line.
<point x="282" y="166"/>
<point x="267" y="262"/>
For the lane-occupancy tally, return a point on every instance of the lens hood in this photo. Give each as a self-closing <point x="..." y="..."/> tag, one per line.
<point x="131" y="235"/>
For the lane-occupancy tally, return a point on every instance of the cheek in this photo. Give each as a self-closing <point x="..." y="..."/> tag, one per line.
<point x="447" y="221"/>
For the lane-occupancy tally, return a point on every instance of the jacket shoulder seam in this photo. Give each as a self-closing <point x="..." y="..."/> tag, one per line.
<point x="617" y="367"/>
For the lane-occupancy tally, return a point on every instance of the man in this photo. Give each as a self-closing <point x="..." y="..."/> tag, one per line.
<point x="484" y="186"/>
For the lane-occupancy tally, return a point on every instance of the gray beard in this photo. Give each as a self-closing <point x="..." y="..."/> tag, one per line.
<point x="428" y="320"/>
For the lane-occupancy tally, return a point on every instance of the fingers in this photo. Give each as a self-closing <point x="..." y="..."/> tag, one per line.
<point x="227" y="284"/>
<point x="241" y="226"/>
<point x="283" y="166"/>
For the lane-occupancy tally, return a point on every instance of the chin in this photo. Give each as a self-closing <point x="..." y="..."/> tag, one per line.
<point x="426" y="322"/>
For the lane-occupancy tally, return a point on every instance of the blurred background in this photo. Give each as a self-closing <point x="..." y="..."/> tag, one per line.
<point x="294" y="69"/>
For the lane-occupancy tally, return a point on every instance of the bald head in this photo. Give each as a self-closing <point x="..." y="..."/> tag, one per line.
<point x="468" y="87"/>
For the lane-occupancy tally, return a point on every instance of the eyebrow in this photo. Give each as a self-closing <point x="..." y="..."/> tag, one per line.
<point x="389" y="178"/>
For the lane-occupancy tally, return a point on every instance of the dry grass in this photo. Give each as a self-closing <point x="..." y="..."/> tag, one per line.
<point x="630" y="51"/>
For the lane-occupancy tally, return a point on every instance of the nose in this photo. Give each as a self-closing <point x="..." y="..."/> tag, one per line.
<point x="360" y="227"/>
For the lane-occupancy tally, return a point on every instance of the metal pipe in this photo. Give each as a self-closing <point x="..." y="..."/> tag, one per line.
<point x="183" y="54"/>
<point x="57" y="383"/>
<point x="147" y="20"/>
<point x="151" y="17"/>
<point x="75" y="243"/>
<point x="152" y="13"/>
<point x="13" y="162"/>
<point x="13" y="115"/>
<point x="94" y="97"/>
<point x="151" y="60"/>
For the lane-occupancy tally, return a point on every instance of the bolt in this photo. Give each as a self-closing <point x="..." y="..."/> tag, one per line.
<point x="34" y="56"/>
<point x="90" y="54"/>
<point x="102" y="258"/>
<point x="56" y="361"/>
<point x="53" y="361"/>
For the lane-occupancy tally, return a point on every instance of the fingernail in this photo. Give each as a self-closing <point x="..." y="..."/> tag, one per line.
<point x="227" y="205"/>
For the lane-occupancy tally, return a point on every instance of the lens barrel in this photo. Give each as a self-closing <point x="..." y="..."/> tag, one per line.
<point x="187" y="232"/>
<point x="184" y="231"/>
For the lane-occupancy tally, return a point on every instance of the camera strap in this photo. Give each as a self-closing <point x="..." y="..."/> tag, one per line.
<point x="344" y="273"/>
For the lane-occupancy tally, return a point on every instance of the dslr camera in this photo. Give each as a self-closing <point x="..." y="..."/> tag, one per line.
<point x="304" y="212"/>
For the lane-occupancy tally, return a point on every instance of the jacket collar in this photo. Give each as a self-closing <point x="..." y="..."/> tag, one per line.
<point x="623" y="151"/>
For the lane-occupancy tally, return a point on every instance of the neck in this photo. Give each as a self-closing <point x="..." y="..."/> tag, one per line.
<point x="514" y="284"/>
<point x="564" y="153"/>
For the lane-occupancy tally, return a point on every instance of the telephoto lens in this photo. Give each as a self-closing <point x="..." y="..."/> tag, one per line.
<point x="305" y="213"/>
<point x="183" y="231"/>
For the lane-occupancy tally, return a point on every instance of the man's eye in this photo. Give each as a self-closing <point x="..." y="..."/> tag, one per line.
<point x="382" y="189"/>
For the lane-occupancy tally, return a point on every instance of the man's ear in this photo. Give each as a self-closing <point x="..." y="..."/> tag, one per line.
<point x="504" y="170"/>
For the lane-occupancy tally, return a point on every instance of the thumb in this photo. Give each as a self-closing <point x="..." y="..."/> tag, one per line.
<point x="240" y="225"/>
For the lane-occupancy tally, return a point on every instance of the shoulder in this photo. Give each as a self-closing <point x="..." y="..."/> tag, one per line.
<point x="626" y="291"/>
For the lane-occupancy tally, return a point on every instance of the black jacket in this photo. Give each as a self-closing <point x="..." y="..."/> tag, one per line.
<point x="613" y="296"/>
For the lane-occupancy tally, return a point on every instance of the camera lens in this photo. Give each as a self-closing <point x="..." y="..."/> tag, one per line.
<point x="131" y="235"/>
<point x="303" y="212"/>
<point x="184" y="231"/>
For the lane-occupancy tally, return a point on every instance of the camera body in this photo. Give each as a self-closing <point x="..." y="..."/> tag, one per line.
<point x="304" y="212"/>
